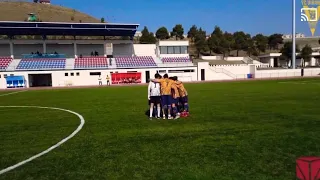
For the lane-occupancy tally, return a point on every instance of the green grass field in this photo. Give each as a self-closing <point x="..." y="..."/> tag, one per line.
<point x="237" y="130"/>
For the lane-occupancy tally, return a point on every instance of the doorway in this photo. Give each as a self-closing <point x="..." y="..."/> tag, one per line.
<point x="202" y="75"/>
<point x="40" y="80"/>
<point x="147" y="76"/>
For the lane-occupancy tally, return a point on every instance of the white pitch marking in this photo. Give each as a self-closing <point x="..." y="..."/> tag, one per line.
<point x="82" y="121"/>
<point x="301" y="82"/>
<point x="291" y="82"/>
<point x="15" y="92"/>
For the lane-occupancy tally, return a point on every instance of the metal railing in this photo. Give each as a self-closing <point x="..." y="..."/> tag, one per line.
<point x="248" y="60"/>
<point x="26" y="56"/>
<point x="222" y="70"/>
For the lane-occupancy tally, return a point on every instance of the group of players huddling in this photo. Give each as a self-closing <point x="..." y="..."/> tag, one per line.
<point x="168" y="94"/>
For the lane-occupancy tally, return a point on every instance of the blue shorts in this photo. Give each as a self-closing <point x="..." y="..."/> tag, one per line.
<point x="184" y="99"/>
<point x="166" y="100"/>
<point x="175" y="101"/>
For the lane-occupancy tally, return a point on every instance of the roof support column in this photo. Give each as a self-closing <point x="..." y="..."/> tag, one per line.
<point x="11" y="46"/>
<point x="105" y="48"/>
<point x="132" y="49"/>
<point x="75" y="49"/>
<point x="44" y="44"/>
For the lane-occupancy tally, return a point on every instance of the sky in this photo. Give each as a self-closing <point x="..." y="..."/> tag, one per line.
<point x="251" y="16"/>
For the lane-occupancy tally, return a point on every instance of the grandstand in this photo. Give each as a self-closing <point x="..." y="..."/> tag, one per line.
<point x="4" y="62"/>
<point x="48" y="62"/>
<point x="90" y="62"/>
<point x="135" y="61"/>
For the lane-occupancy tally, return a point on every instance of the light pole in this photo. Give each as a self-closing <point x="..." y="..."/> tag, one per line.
<point x="293" y="34"/>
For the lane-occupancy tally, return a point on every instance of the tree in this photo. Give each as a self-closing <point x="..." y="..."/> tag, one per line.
<point x="286" y="51"/>
<point x="230" y="42"/>
<point x="35" y="1"/>
<point x="261" y="42"/>
<point x="240" y="41"/>
<point x="147" y="37"/>
<point x="306" y="54"/>
<point x="274" y="41"/>
<point x="152" y="38"/>
<point x="251" y="47"/>
<point x="192" y="32"/>
<point x="177" y="32"/>
<point x="217" y="31"/>
<point x="200" y="41"/>
<point x="224" y="45"/>
<point x="211" y="43"/>
<point x="102" y="20"/>
<point x="162" y="33"/>
<point x="215" y="41"/>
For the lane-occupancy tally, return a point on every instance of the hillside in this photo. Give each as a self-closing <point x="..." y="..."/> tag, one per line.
<point x="18" y="11"/>
<point x="312" y="41"/>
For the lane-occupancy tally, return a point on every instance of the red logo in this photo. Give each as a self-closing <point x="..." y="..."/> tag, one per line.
<point x="308" y="168"/>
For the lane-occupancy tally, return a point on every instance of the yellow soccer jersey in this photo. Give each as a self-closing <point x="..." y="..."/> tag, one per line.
<point x="182" y="91"/>
<point x="175" y="92"/>
<point x="166" y="85"/>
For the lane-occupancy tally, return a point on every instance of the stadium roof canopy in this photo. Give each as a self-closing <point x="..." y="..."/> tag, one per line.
<point x="12" y="28"/>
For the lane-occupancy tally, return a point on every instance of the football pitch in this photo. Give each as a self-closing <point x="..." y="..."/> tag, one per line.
<point x="236" y="130"/>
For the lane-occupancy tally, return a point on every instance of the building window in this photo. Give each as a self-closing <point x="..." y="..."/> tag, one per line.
<point x="71" y="74"/>
<point x="170" y="50"/>
<point x="181" y="71"/>
<point x="5" y="75"/>
<point x="177" y="50"/>
<point x="65" y="74"/>
<point x="184" y="49"/>
<point x="95" y="73"/>
<point x="78" y="74"/>
<point x="163" y="50"/>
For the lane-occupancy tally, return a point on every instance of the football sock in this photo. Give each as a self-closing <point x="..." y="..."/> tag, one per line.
<point x="158" y="111"/>
<point x="169" y="111"/>
<point x="151" y="111"/>
<point x="155" y="110"/>
<point x="186" y="107"/>
<point x="164" y="111"/>
<point x="174" y="109"/>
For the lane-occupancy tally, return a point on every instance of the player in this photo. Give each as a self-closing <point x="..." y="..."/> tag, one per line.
<point x="175" y="99"/>
<point x="166" y="98"/>
<point x="100" y="80"/>
<point x="108" y="80"/>
<point x="183" y="95"/>
<point x="154" y="96"/>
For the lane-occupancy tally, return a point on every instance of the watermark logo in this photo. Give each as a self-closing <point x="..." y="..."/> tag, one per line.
<point x="310" y="13"/>
<point x="308" y="168"/>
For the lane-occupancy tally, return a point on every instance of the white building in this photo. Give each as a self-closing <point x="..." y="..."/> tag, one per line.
<point x="273" y="60"/>
<point x="289" y="36"/>
<point x="45" y="1"/>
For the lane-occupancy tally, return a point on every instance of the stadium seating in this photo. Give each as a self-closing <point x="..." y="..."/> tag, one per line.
<point x="91" y="62"/>
<point x="4" y="62"/>
<point x="136" y="61"/>
<point x="41" y="63"/>
<point x="176" y="60"/>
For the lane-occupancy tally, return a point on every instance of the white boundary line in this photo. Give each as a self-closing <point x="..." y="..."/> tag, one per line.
<point x="301" y="82"/>
<point x="82" y="121"/>
<point x="15" y="92"/>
